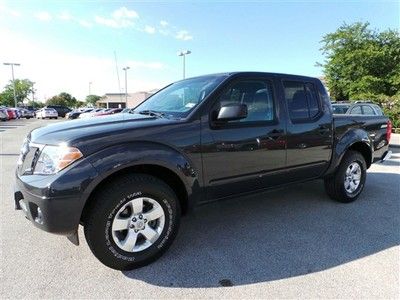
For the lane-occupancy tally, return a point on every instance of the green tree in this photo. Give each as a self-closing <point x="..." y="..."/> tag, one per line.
<point x="35" y="104"/>
<point x="23" y="88"/>
<point x="64" y="99"/>
<point x="361" y="63"/>
<point x="92" y="99"/>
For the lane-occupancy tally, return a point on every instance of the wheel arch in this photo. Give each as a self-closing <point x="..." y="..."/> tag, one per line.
<point x="161" y="172"/>
<point x="356" y="140"/>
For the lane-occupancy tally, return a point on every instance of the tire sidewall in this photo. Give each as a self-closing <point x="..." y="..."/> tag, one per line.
<point x="127" y="260"/>
<point x="360" y="160"/>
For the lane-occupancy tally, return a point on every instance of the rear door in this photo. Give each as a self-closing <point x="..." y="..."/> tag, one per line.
<point x="309" y="129"/>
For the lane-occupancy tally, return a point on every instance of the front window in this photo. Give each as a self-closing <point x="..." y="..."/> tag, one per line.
<point x="180" y="98"/>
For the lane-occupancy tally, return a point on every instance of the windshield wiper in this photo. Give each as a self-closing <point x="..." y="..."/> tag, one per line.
<point x="152" y="113"/>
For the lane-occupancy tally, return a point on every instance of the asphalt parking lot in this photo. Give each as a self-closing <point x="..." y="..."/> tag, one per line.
<point x="287" y="243"/>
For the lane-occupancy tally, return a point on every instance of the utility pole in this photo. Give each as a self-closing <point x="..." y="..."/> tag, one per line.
<point x="183" y="54"/>
<point x="33" y="92"/>
<point x="90" y="85"/>
<point x="126" y="85"/>
<point x="13" y="79"/>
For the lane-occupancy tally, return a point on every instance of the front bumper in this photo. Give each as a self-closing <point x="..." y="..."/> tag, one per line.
<point x="54" y="203"/>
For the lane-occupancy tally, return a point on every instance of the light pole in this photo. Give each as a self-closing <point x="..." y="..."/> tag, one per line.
<point x="33" y="91"/>
<point x="126" y="85"/>
<point x="90" y="85"/>
<point x="12" y="72"/>
<point x="183" y="54"/>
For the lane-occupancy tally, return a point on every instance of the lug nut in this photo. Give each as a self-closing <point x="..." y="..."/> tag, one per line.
<point x="140" y="217"/>
<point x="145" y="220"/>
<point x="136" y="230"/>
<point x="134" y="219"/>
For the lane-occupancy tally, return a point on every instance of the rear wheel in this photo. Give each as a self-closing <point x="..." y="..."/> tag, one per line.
<point x="347" y="183"/>
<point x="132" y="221"/>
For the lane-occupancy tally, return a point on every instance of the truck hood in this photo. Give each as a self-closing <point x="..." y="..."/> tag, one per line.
<point x="76" y="131"/>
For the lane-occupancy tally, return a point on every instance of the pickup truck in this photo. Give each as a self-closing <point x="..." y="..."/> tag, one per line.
<point x="128" y="178"/>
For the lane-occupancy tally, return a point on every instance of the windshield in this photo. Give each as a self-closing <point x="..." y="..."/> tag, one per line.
<point x="180" y="98"/>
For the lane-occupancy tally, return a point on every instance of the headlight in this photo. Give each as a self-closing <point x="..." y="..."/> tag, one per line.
<point x="55" y="158"/>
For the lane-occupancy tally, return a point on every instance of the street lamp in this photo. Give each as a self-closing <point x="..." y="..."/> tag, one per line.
<point x="12" y="72"/>
<point x="183" y="54"/>
<point x="126" y="85"/>
<point x="90" y="85"/>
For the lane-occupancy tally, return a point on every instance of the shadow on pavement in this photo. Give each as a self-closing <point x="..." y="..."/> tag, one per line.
<point x="277" y="235"/>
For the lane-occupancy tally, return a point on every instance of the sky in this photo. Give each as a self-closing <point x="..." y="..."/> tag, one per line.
<point x="64" y="45"/>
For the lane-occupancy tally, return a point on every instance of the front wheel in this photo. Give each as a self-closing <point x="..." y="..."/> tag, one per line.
<point x="132" y="221"/>
<point x="347" y="183"/>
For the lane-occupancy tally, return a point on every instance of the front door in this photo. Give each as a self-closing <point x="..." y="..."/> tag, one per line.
<point x="249" y="154"/>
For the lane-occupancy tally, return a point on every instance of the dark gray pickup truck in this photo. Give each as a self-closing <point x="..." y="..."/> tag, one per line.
<point x="128" y="178"/>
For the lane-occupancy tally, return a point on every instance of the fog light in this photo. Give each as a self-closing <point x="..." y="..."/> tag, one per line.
<point x="39" y="217"/>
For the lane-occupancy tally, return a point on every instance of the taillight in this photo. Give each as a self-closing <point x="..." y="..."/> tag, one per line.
<point x="388" y="130"/>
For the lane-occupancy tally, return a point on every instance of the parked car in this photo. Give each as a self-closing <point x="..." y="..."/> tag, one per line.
<point x="126" y="110"/>
<point x="61" y="110"/>
<point x="340" y="107"/>
<point x="127" y="178"/>
<point x="89" y="114"/>
<point x="46" y="112"/>
<point x="3" y="115"/>
<point x="108" y="111"/>
<point x="365" y="108"/>
<point x="27" y="114"/>
<point x="11" y="113"/>
<point x="73" y="114"/>
<point x="17" y="112"/>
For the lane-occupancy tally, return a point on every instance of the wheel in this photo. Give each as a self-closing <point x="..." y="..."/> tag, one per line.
<point x="132" y="221"/>
<point x="347" y="183"/>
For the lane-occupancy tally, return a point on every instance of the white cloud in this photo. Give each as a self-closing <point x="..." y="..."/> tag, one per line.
<point x="120" y="18"/>
<point x="149" y="29"/>
<point x="163" y="23"/>
<point x="65" y="16"/>
<point x="183" y="35"/>
<point x="134" y="64"/>
<point x="123" y="12"/>
<point x="43" y="16"/>
<point x="55" y="70"/>
<point x="85" y="23"/>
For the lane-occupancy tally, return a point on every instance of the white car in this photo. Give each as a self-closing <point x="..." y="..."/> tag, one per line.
<point x="90" y="113"/>
<point x="44" y="113"/>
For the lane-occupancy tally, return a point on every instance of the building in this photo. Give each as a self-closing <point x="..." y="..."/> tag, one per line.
<point x="119" y="100"/>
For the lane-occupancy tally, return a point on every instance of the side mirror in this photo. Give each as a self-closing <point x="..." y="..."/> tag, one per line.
<point x="231" y="112"/>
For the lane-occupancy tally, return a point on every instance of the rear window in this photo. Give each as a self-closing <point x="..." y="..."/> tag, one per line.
<point x="356" y="110"/>
<point x="302" y="100"/>
<point x="368" y="110"/>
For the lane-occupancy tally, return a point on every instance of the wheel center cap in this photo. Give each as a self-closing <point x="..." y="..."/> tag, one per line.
<point x="139" y="224"/>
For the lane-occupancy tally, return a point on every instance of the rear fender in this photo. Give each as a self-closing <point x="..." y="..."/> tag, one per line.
<point x="348" y="140"/>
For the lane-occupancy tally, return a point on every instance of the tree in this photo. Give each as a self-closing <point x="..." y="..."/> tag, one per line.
<point x="23" y="87"/>
<point x="92" y="99"/>
<point x="63" y="99"/>
<point x="361" y="62"/>
<point x="35" y="104"/>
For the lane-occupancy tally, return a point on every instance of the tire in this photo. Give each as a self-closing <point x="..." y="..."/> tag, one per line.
<point x="346" y="191"/>
<point x="111" y="204"/>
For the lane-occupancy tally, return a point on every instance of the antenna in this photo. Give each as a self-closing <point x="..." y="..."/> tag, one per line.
<point x="116" y="67"/>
